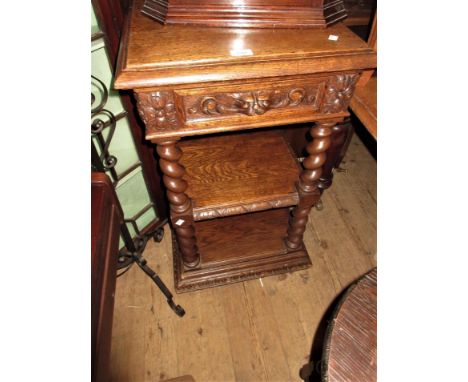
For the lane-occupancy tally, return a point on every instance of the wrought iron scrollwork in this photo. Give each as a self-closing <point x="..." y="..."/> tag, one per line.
<point x="101" y="118"/>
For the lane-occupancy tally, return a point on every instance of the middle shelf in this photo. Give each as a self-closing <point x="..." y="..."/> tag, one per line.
<point x="239" y="173"/>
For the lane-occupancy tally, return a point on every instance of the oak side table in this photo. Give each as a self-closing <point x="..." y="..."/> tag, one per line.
<point x="239" y="199"/>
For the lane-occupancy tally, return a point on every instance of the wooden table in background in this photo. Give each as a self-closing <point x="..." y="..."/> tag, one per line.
<point x="239" y="201"/>
<point x="350" y="353"/>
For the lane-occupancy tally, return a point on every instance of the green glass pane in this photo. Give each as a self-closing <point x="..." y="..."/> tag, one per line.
<point x="131" y="190"/>
<point x="132" y="193"/>
<point x="94" y="22"/>
<point x="101" y="69"/>
<point x="144" y="220"/>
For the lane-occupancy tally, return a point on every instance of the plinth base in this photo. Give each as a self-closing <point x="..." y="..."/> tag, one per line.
<point x="239" y="248"/>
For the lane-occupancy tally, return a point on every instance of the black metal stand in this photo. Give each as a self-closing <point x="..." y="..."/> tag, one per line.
<point x="132" y="254"/>
<point x="103" y="162"/>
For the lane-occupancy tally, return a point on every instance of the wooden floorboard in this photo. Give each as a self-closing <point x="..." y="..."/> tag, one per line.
<point x="255" y="330"/>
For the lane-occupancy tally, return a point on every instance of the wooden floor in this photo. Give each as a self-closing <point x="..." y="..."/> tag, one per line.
<point x="259" y="330"/>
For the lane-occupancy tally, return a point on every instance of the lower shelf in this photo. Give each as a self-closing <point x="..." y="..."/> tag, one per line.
<point x="239" y="248"/>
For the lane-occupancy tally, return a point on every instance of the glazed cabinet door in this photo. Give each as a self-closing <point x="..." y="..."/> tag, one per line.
<point x="115" y="148"/>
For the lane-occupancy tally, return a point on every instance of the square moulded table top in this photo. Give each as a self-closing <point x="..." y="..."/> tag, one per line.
<point x="153" y="55"/>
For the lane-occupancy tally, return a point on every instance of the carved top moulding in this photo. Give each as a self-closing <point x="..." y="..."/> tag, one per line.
<point x="246" y="13"/>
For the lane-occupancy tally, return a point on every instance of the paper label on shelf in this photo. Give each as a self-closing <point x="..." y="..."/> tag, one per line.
<point x="241" y="52"/>
<point x="333" y="37"/>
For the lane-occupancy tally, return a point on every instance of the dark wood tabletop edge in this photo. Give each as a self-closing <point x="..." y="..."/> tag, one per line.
<point x="246" y="60"/>
<point x="331" y="326"/>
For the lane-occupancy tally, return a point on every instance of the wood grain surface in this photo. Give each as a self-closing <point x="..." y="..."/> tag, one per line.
<point x="238" y="248"/>
<point x="350" y="351"/>
<point x="242" y="237"/>
<point x="257" y="330"/>
<point x="364" y="101"/>
<point x="364" y="105"/>
<point x="247" y="13"/>
<point x="153" y="55"/>
<point x="239" y="173"/>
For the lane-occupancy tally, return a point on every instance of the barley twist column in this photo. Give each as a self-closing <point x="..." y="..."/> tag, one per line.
<point x="341" y="137"/>
<point x="180" y="203"/>
<point x="309" y="192"/>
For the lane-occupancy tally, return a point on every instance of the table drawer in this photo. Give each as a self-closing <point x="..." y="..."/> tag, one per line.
<point x="228" y="107"/>
<point x="252" y="100"/>
<point x="320" y="94"/>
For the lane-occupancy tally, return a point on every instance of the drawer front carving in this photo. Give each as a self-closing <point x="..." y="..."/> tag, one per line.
<point x="324" y="95"/>
<point x="182" y="112"/>
<point x="254" y="102"/>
